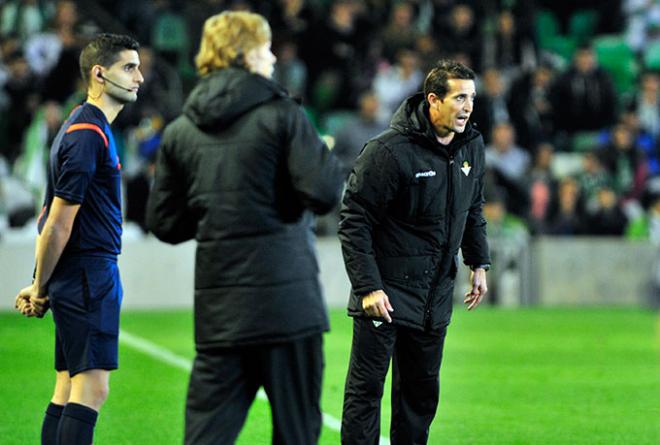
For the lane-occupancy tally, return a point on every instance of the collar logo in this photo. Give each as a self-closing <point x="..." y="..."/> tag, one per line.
<point x="466" y="168"/>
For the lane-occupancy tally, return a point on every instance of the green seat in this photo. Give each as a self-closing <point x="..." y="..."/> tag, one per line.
<point x="615" y="56"/>
<point x="563" y="46"/>
<point x="547" y="27"/>
<point x="652" y="56"/>
<point x="582" y="25"/>
<point x="170" y="36"/>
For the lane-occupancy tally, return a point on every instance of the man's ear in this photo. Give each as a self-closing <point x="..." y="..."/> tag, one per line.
<point x="433" y="98"/>
<point x="97" y="73"/>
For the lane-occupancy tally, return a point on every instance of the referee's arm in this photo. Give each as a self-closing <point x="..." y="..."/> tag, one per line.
<point x="54" y="236"/>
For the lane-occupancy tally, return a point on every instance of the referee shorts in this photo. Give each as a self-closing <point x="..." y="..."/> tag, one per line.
<point x="85" y="296"/>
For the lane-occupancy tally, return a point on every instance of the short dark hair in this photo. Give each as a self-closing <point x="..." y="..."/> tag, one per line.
<point x="437" y="79"/>
<point x="104" y="50"/>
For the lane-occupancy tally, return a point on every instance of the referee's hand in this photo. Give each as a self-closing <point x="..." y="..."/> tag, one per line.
<point x="377" y="304"/>
<point x="30" y="304"/>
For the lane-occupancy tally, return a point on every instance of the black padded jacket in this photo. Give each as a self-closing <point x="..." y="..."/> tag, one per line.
<point x="240" y="171"/>
<point x="410" y="204"/>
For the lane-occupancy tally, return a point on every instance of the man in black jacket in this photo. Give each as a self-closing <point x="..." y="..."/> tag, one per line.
<point x="240" y="171"/>
<point x="413" y="199"/>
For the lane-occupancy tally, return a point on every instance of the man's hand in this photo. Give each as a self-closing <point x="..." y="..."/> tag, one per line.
<point x="377" y="304"/>
<point x="30" y="303"/>
<point x="479" y="288"/>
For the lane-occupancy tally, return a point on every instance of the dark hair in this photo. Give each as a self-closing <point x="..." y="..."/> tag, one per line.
<point x="437" y="79"/>
<point x="104" y="50"/>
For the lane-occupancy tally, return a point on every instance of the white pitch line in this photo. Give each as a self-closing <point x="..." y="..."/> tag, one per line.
<point x="166" y="356"/>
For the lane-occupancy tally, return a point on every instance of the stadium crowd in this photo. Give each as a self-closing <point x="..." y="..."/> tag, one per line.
<point x="568" y="101"/>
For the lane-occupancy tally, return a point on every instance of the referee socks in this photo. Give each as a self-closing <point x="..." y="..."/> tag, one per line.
<point x="76" y="425"/>
<point x="51" y="422"/>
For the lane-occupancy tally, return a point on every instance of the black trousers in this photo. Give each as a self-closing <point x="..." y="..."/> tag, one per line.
<point x="416" y="357"/>
<point x="224" y="383"/>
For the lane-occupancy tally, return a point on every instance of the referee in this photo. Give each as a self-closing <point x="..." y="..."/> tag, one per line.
<point x="79" y="240"/>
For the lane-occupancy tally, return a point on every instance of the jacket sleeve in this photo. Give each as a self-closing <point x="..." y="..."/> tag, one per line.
<point x="372" y="185"/>
<point x="316" y="173"/>
<point x="168" y="215"/>
<point x="475" y="243"/>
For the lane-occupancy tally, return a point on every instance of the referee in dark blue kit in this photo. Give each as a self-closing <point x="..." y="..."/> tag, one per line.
<point x="79" y="239"/>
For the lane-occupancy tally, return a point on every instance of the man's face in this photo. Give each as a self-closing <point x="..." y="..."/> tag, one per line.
<point x="261" y="60"/>
<point x="503" y="137"/>
<point x="125" y="73"/>
<point x="585" y="60"/>
<point x="451" y="113"/>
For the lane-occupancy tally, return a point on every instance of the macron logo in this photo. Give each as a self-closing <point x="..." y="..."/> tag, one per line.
<point x="427" y="174"/>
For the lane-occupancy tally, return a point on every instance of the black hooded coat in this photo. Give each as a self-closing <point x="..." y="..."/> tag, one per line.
<point x="410" y="204"/>
<point x="239" y="171"/>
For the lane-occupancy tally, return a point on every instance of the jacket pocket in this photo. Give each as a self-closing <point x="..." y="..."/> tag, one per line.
<point x="410" y="271"/>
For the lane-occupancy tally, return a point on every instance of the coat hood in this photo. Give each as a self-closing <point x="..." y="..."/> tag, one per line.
<point x="411" y="119"/>
<point x="225" y="95"/>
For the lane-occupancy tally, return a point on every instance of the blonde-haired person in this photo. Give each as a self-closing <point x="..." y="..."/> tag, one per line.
<point x="242" y="170"/>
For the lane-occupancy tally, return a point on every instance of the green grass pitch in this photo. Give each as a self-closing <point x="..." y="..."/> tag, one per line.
<point x="527" y="376"/>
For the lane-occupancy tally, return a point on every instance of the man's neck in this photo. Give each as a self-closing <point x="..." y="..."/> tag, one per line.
<point x="108" y="106"/>
<point x="445" y="137"/>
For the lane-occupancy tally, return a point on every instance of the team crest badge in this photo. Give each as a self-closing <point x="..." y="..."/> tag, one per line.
<point x="466" y="168"/>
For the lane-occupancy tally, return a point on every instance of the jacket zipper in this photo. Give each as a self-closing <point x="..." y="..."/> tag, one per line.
<point x="440" y="268"/>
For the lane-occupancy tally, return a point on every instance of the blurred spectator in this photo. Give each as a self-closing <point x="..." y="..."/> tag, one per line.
<point x="646" y="103"/>
<point x="607" y="219"/>
<point x="530" y="106"/>
<point x="331" y="65"/>
<point x="503" y="155"/>
<point x="137" y="193"/>
<point x="290" y="71"/>
<point x="508" y="49"/>
<point x="399" y="34"/>
<point x="490" y="107"/>
<point x="509" y="164"/>
<point x="624" y="163"/>
<point x="583" y="97"/>
<point x="23" y="100"/>
<point x="459" y="32"/>
<point x="569" y="217"/>
<point x="427" y="50"/>
<point x="642" y="23"/>
<point x="355" y="133"/>
<point x="8" y="47"/>
<point x="24" y="17"/>
<point x="593" y="178"/>
<point x="60" y="82"/>
<point x="542" y="187"/>
<point x="138" y="17"/>
<point x="291" y="18"/>
<point x="502" y="225"/>
<point x="645" y="142"/>
<point x="396" y="82"/>
<point x="30" y="167"/>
